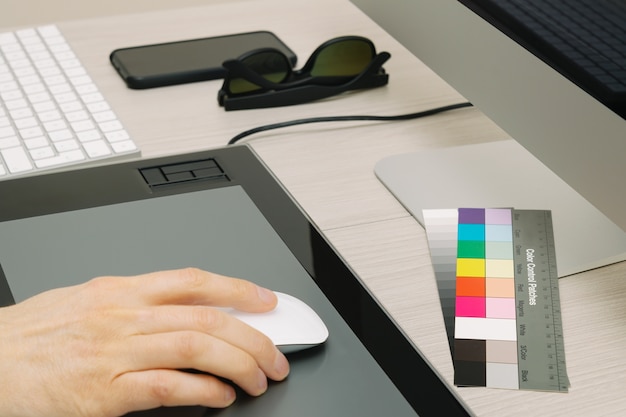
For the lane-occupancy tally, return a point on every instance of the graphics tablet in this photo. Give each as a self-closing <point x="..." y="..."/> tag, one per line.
<point x="222" y="211"/>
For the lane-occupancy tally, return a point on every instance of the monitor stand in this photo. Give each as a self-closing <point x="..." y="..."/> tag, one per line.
<point x="504" y="174"/>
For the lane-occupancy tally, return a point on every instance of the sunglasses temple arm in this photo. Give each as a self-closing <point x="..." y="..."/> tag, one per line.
<point x="372" y="76"/>
<point x="236" y="69"/>
<point x="373" y="69"/>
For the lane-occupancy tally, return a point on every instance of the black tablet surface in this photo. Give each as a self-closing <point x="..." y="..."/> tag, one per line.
<point x="222" y="211"/>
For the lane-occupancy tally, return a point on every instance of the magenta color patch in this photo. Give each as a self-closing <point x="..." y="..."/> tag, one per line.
<point x="470" y="307"/>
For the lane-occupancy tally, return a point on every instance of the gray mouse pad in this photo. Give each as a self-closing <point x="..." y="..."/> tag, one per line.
<point x="218" y="230"/>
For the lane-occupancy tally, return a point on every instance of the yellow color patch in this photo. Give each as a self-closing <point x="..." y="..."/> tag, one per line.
<point x="470" y="267"/>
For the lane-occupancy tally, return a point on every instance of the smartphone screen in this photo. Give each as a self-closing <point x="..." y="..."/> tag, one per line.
<point x="188" y="61"/>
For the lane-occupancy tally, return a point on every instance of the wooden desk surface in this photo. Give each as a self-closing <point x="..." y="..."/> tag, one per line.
<point x="328" y="168"/>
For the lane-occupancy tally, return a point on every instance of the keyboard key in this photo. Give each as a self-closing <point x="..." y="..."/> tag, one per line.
<point x="61" y="159"/>
<point x="49" y="116"/>
<point x="61" y="135"/>
<point x="26" y="123"/>
<point x="105" y="116"/>
<point x="585" y="40"/>
<point x="83" y="125"/>
<point x="16" y="159"/>
<point x="97" y="149"/>
<point x="117" y="136"/>
<point x="55" y="125"/>
<point x="41" y="153"/>
<point x="98" y="106"/>
<point x="77" y="116"/>
<point x="124" y="146"/>
<point x="48" y="30"/>
<point x="88" y="135"/>
<point x="66" y="145"/>
<point x="6" y="132"/>
<point x="9" y="142"/>
<point x="35" y="143"/>
<point x="31" y="132"/>
<point x="111" y="126"/>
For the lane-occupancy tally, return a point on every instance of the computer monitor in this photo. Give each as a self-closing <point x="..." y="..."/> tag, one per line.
<point x="573" y="134"/>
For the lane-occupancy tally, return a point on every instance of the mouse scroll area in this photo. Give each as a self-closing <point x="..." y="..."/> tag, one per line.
<point x="292" y="326"/>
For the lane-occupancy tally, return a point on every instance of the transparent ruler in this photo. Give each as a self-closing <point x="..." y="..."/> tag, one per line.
<point x="541" y="351"/>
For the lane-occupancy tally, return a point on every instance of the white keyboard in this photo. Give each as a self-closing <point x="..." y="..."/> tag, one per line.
<point x="52" y="115"/>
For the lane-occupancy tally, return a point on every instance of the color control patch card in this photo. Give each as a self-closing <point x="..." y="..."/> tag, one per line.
<point x="498" y="286"/>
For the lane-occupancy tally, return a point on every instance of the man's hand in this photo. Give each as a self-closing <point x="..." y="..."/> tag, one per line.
<point x="119" y="344"/>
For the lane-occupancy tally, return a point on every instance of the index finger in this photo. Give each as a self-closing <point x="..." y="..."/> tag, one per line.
<point x="192" y="286"/>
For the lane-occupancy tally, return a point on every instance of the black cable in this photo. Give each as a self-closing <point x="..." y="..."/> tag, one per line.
<point x="347" y="118"/>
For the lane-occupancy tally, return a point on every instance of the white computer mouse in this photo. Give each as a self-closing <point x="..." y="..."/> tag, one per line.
<point x="292" y="325"/>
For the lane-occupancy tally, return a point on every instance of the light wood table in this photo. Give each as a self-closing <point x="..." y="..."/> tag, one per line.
<point x="328" y="168"/>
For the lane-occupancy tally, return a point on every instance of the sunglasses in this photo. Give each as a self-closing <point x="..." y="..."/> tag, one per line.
<point x="266" y="78"/>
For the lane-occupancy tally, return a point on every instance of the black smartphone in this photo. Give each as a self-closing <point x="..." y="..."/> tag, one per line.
<point x="187" y="61"/>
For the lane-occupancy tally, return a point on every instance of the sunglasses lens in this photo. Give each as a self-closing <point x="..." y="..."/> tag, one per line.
<point x="272" y="66"/>
<point x="343" y="58"/>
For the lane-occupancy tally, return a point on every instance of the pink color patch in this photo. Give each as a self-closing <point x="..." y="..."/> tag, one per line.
<point x="501" y="308"/>
<point x="470" y="307"/>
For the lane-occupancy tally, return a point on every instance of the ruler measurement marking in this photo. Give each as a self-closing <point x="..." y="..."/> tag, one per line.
<point x="541" y="362"/>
